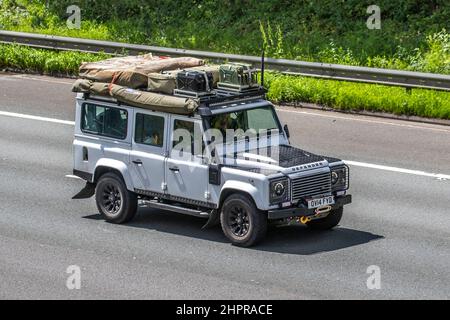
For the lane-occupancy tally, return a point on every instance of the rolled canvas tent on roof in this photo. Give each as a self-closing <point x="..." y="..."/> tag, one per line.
<point x="120" y="77"/>
<point x="133" y="71"/>
<point x="138" y="98"/>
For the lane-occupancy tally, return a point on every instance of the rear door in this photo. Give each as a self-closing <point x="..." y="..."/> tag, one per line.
<point x="149" y="151"/>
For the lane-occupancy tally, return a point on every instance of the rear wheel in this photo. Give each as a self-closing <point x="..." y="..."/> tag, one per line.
<point x="242" y="223"/>
<point x="329" y="222"/>
<point x="114" y="202"/>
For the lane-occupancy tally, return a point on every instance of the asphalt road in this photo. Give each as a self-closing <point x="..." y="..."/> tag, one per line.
<point x="398" y="221"/>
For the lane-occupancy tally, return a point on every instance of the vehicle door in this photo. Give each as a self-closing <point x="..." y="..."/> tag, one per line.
<point x="149" y="149"/>
<point x="186" y="170"/>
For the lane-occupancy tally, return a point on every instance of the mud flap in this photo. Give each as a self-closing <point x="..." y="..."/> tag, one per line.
<point x="87" y="192"/>
<point x="213" y="220"/>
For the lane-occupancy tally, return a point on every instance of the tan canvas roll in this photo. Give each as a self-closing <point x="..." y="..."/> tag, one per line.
<point x="100" y="88"/>
<point x="132" y="72"/>
<point x="128" y="78"/>
<point x="88" y="86"/>
<point x="82" y="85"/>
<point x="168" y="64"/>
<point x="153" y="101"/>
<point x="119" y="63"/>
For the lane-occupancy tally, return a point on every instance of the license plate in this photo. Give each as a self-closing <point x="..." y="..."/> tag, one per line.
<point x="317" y="203"/>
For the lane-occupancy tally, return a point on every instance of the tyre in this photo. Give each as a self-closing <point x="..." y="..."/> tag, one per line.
<point x="329" y="222"/>
<point x="114" y="202"/>
<point x="242" y="223"/>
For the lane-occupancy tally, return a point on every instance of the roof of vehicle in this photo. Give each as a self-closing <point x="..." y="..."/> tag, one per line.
<point x="207" y="106"/>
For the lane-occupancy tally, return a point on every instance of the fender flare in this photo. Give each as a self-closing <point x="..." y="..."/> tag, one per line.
<point x="241" y="187"/>
<point x="108" y="165"/>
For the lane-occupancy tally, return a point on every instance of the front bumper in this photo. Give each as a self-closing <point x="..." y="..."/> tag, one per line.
<point x="303" y="210"/>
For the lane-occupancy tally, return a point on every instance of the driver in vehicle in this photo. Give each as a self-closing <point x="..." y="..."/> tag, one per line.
<point x="153" y="139"/>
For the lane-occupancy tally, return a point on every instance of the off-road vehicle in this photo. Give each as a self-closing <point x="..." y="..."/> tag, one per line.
<point x="175" y="162"/>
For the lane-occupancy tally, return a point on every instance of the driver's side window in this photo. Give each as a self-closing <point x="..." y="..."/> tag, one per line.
<point x="187" y="137"/>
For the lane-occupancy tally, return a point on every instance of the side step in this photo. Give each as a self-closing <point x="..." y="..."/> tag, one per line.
<point x="169" y="207"/>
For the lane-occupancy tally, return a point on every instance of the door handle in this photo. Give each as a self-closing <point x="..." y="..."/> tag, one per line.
<point x="138" y="162"/>
<point x="174" y="169"/>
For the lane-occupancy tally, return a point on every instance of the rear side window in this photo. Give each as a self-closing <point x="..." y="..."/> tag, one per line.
<point x="104" y="121"/>
<point x="149" y="130"/>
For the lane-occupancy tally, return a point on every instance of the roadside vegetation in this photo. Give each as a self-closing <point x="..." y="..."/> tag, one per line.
<point x="49" y="62"/>
<point x="348" y="96"/>
<point x="414" y="36"/>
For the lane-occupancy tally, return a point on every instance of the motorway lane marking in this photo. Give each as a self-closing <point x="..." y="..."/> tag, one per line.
<point x="38" y="118"/>
<point x="439" y="176"/>
<point x="365" y="120"/>
<point x="353" y="163"/>
<point x="21" y="76"/>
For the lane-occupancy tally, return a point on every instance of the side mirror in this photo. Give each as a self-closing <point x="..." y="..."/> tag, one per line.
<point x="286" y="130"/>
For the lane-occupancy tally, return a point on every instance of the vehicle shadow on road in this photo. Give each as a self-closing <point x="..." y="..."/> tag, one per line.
<point x="295" y="239"/>
<point x="301" y="240"/>
<point x="174" y="223"/>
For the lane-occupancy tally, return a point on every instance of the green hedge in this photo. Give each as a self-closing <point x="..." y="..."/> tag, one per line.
<point x="412" y="35"/>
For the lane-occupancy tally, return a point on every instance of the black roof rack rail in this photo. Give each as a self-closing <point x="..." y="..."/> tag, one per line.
<point x="230" y="96"/>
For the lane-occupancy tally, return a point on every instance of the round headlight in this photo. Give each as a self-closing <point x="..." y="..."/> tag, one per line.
<point x="334" y="177"/>
<point x="279" y="189"/>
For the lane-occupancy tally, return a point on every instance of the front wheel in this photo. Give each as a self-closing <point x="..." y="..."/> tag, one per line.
<point x="242" y="223"/>
<point x="114" y="202"/>
<point x="329" y="222"/>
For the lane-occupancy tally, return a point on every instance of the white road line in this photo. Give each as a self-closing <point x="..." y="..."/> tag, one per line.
<point x="352" y="163"/>
<point x="411" y="126"/>
<point x="21" y="76"/>
<point x="400" y="170"/>
<point x="30" y="117"/>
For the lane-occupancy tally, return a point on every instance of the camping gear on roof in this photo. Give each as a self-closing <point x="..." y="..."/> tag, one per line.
<point x="236" y="77"/>
<point x="168" y="64"/>
<point x="137" y="98"/>
<point x="196" y="81"/>
<point x="214" y="69"/>
<point x="174" y="85"/>
<point x="166" y="82"/>
<point x="132" y="71"/>
<point x="118" y="63"/>
<point x="153" y="101"/>
<point x="128" y="78"/>
<point x="162" y="82"/>
<point x="88" y="86"/>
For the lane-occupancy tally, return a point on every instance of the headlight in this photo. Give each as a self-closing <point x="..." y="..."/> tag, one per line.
<point x="279" y="190"/>
<point x="340" y="178"/>
<point x="334" y="177"/>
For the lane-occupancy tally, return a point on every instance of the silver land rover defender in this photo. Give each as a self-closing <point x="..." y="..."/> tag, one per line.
<point x="229" y="162"/>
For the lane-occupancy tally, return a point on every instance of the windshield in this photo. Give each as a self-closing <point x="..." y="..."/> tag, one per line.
<point x="261" y="120"/>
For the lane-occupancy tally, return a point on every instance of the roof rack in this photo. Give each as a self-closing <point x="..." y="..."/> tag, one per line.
<point x="225" y="96"/>
<point x="208" y="102"/>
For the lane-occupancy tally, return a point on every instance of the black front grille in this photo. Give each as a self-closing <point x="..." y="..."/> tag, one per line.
<point x="311" y="186"/>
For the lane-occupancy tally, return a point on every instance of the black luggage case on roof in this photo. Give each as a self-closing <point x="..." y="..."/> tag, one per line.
<point x="195" y="81"/>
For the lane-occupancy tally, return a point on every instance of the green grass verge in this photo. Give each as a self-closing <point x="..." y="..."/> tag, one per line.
<point x="343" y="95"/>
<point x="49" y="62"/>
<point x="334" y="94"/>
